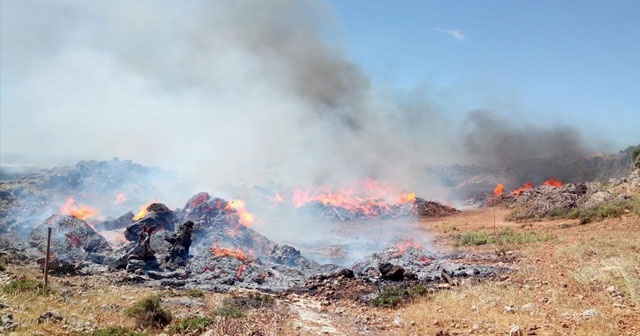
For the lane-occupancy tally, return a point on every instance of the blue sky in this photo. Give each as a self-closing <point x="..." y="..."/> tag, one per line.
<point x="570" y="62"/>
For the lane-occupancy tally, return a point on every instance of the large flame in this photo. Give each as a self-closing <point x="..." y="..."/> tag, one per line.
<point x="553" y="182"/>
<point x="142" y="212"/>
<point x="526" y="186"/>
<point x="370" y="197"/>
<point x="83" y="212"/>
<point x="498" y="190"/>
<point x="245" y="218"/>
<point x="402" y="246"/>
<point x="228" y="251"/>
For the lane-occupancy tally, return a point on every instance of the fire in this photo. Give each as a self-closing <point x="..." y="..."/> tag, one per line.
<point x="498" y="190"/>
<point x="526" y="186"/>
<point x="245" y="218"/>
<point x="228" y="251"/>
<point x="240" y="271"/>
<point x="402" y="246"/>
<point x="120" y="198"/>
<point x="83" y="212"/>
<point x="370" y="197"/>
<point x="277" y="198"/>
<point x="143" y="211"/>
<point x="553" y="182"/>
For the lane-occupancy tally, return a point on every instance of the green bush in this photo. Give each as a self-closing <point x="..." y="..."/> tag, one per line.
<point x="149" y="313"/>
<point x="393" y="296"/>
<point x="116" y="331"/>
<point x="22" y="286"/>
<point x="192" y="325"/>
<point x="230" y="310"/>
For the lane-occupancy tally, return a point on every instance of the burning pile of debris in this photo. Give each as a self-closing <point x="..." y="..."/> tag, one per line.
<point x="158" y="244"/>
<point x="555" y="199"/>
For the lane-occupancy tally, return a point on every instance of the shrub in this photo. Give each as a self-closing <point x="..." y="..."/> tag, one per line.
<point x="149" y="313"/>
<point x="194" y="292"/>
<point x="230" y="310"/>
<point x="116" y="331"/>
<point x="192" y="325"/>
<point x="253" y="300"/>
<point x="23" y="286"/>
<point x="392" y="296"/>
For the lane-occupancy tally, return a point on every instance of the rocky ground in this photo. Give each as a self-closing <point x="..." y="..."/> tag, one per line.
<point x="583" y="280"/>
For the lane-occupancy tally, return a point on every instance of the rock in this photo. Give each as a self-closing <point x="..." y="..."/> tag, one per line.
<point x="589" y="313"/>
<point x="7" y="323"/>
<point x="510" y="309"/>
<point x="529" y="307"/>
<point x="391" y="272"/>
<point x="398" y="320"/>
<point x="50" y="316"/>
<point x="515" y="331"/>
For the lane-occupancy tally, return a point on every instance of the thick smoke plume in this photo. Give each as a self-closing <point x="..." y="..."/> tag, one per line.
<point x="494" y="142"/>
<point x="228" y="92"/>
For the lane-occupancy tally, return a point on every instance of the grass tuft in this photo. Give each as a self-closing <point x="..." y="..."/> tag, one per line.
<point x="116" y="331"/>
<point x="149" y="313"/>
<point x="194" y="293"/>
<point x="191" y="325"/>
<point x="230" y="310"/>
<point x="23" y="286"/>
<point x="505" y="236"/>
<point x="393" y="296"/>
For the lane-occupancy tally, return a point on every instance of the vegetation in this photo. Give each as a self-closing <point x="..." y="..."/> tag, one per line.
<point x="191" y="325"/>
<point x="116" y="331"/>
<point x="392" y="296"/>
<point x="149" y="313"/>
<point x="22" y="286"/>
<point x="194" y="292"/>
<point x="612" y="209"/>
<point x="230" y="310"/>
<point x="505" y="236"/>
<point x="252" y="300"/>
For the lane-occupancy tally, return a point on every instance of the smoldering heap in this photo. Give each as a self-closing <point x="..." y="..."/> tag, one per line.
<point x="159" y="251"/>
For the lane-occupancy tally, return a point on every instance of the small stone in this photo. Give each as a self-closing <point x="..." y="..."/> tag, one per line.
<point x="515" y="331"/>
<point x="474" y="308"/>
<point x="529" y="307"/>
<point x="544" y="300"/>
<point x="51" y="316"/>
<point x="510" y="309"/>
<point x="589" y="313"/>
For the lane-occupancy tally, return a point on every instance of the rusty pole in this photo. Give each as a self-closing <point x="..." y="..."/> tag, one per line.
<point x="46" y="261"/>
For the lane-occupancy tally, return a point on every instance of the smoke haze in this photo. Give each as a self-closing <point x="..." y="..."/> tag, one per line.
<point x="228" y="92"/>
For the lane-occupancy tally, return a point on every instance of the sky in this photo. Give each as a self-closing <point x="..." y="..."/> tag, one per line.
<point x="570" y="62"/>
<point x="318" y="91"/>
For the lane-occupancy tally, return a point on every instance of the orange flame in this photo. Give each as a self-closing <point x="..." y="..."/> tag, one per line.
<point x="277" y="198"/>
<point x="245" y="218"/>
<point x="369" y="197"/>
<point x="120" y="198"/>
<point x="240" y="271"/>
<point x="406" y="244"/>
<point x="228" y="251"/>
<point x="526" y="186"/>
<point x="143" y="211"/>
<point x="498" y="190"/>
<point x="553" y="182"/>
<point x="84" y="212"/>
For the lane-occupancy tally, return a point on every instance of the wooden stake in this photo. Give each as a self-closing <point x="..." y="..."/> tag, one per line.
<point x="46" y="261"/>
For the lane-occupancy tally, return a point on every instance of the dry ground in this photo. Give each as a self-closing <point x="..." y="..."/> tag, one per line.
<point x="580" y="280"/>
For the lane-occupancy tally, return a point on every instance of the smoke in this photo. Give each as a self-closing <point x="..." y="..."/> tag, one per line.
<point x="494" y="142"/>
<point x="230" y="92"/>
